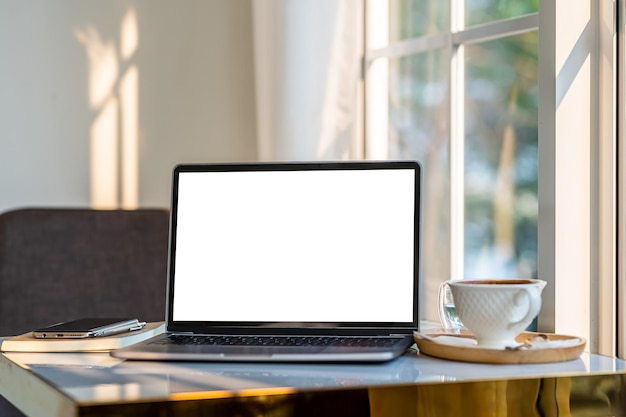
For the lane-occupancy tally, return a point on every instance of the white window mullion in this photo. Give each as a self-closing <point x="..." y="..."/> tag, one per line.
<point x="457" y="144"/>
<point x="496" y="30"/>
<point x="409" y="47"/>
<point x="605" y="176"/>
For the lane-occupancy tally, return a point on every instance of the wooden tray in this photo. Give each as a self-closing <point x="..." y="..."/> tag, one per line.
<point x="428" y="344"/>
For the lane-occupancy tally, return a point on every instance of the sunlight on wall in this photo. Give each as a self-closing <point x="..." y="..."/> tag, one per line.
<point x="129" y="100"/>
<point x="130" y="35"/>
<point x="104" y="157"/>
<point x="114" y="97"/>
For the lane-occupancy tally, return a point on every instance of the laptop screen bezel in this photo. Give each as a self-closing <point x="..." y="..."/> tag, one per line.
<point x="374" y="328"/>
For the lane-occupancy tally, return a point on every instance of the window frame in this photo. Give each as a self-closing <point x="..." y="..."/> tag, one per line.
<point x="577" y="170"/>
<point x="620" y="264"/>
<point x="577" y="236"/>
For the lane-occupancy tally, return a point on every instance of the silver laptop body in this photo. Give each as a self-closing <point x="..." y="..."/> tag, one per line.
<point x="282" y="251"/>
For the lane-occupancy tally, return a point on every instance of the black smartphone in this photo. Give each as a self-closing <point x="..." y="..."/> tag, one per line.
<point x="88" y="327"/>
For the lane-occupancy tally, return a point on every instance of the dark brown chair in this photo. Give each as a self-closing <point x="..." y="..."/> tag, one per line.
<point x="62" y="264"/>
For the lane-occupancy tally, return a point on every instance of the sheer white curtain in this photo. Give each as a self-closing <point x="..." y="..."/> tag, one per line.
<point x="308" y="78"/>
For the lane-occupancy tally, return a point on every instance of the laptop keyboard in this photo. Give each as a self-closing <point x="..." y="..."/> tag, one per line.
<point x="289" y="341"/>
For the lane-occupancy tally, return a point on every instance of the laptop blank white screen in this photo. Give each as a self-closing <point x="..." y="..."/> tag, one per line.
<point x="295" y="246"/>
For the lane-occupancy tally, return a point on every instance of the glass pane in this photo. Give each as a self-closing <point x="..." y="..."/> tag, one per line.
<point x="414" y="18"/>
<point x="501" y="138"/>
<point x="418" y="129"/>
<point x="485" y="11"/>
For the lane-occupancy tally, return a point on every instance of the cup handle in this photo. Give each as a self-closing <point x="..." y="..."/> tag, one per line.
<point x="447" y="312"/>
<point x="534" y="305"/>
<point x="441" y="299"/>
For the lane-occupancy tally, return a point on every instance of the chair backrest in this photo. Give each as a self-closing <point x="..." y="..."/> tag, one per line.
<point x="62" y="264"/>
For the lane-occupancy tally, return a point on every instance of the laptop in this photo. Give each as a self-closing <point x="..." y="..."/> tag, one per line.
<point x="306" y="262"/>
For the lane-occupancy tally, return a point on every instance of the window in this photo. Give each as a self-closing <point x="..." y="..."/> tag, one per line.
<point x="458" y="84"/>
<point x="511" y="105"/>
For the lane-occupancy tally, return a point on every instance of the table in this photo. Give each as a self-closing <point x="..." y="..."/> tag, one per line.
<point x="95" y="384"/>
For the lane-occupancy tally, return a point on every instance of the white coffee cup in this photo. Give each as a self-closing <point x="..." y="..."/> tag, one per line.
<point x="496" y="311"/>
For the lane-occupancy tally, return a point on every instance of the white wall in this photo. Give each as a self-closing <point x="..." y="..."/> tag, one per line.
<point x="62" y="134"/>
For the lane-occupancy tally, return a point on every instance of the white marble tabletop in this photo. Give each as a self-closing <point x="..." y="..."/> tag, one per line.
<point x="100" y="378"/>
